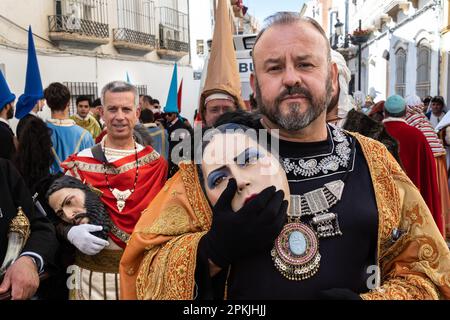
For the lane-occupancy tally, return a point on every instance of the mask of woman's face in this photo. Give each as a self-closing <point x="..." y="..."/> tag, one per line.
<point x="69" y="205"/>
<point x="236" y="155"/>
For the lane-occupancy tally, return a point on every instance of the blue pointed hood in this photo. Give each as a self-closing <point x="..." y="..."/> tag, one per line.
<point x="128" y="78"/>
<point x="6" y="96"/>
<point x="33" y="84"/>
<point x="172" y="98"/>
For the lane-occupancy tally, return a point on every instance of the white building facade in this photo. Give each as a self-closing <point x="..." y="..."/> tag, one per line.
<point x="87" y="43"/>
<point x="402" y="55"/>
<point x="402" y="52"/>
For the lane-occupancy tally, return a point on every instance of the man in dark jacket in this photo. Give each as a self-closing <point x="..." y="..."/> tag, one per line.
<point x="22" y="276"/>
<point x="6" y="112"/>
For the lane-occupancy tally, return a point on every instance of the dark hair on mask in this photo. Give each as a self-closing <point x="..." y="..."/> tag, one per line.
<point x="240" y="117"/>
<point x="207" y="138"/>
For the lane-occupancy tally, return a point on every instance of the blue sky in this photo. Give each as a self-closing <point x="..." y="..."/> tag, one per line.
<point x="264" y="8"/>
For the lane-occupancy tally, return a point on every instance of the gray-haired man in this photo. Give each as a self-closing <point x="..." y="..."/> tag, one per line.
<point x="127" y="175"/>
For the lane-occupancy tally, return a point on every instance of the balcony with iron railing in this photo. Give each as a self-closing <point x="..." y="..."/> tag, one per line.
<point x="80" y="21"/>
<point x="173" y="34"/>
<point x="136" y="26"/>
<point x="69" y="28"/>
<point x="125" y="38"/>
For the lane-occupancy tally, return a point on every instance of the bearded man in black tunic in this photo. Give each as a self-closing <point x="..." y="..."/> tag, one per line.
<point x="293" y="84"/>
<point x="356" y="227"/>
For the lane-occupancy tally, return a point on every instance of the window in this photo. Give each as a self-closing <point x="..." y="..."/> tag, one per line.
<point x="200" y="47"/>
<point x="86" y="17"/>
<point x="141" y="89"/>
<point x="173" y="30"/>
<point x="423" y="69"/>
<point x="197" y="75"/>
<point x="136" y="21"/>
<point x="400" y="72"/>
<point x="80" y="89"/>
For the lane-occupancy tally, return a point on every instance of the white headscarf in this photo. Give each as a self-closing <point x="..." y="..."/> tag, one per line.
<point x="413" y="100"/>
<point x="443" y="123"/>
<point x="345" y="103"/>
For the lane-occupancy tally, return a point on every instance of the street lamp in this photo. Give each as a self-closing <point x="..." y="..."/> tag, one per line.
<point x="359" y="39"/>
<point x="339" y="28"/>
<point x="338" y="32"/>
<point x="333" y="36"/>
<point x="356" y="39"/>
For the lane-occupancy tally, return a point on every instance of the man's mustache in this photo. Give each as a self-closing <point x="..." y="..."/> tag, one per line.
<point x="289" y="91"/>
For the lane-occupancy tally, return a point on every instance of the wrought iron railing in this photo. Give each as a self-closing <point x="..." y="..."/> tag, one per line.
<point x="142" y="89"/>
<point x="132" y="36"/>
<point x="69" y="24"/>
<point x="173" y="30"/>
<point x="174" y="45"/>
<point x="80" y="89"/>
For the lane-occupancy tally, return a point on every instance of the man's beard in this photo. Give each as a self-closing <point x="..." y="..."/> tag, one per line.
<point x="295" y="120"/>
<point x="97" y="214"/>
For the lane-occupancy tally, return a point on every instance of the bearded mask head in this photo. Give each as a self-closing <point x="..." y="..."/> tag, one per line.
<point x="75" y="203"/>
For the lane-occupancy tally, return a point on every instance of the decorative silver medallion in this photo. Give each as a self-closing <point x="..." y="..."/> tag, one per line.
<point x="296" y="252"/>
<point x="121" y="197"/>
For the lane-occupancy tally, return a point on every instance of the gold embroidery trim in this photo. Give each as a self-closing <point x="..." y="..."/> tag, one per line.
<point x="98" y="168"/>
<point x="386" y="193"/>
<point x="168" y="272"/>
<point x="195" y="195"/>
<point x="106" y="261"/>
<point x="122" y="235"/>
<point x="173" y="221"/>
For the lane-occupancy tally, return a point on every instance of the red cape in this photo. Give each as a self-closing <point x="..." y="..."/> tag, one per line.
<point x="419" y="164"/>
<point x="151" y="178"/>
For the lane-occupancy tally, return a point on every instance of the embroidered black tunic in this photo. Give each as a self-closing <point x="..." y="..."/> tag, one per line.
<point x="345" y="259"/>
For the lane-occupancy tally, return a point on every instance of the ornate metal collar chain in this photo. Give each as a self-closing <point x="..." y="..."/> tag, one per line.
<point x="121" y="196"/>
<point x="296" y="251"/>
<point x="338" y="160"/>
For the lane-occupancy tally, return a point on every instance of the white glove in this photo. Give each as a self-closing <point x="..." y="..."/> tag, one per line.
<point x="80" y="236"/>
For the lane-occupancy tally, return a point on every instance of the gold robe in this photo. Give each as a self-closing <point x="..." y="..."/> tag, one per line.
<point x="160" y="258"/>
<point x="90" y="124"/>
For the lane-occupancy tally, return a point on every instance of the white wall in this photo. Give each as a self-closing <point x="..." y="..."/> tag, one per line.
<point x="63" y="68"/>
<point x="100" y="65"/>
<point x="410" y="33"/>
<point x="201" y="29"/>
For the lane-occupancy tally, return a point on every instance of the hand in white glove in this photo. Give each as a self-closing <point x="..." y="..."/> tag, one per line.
<point x="80" y="236"/>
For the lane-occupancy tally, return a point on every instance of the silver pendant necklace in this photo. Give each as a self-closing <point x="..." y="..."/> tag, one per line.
<point x="296" y="250"/>
<point x="300" y="169"/>
<point x="121" y="196"/>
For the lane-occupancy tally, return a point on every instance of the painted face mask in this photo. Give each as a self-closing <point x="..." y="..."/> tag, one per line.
<point x="235" y="154"/>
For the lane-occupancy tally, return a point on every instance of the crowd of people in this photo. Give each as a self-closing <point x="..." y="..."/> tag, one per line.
<point x="123" y="200"/>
